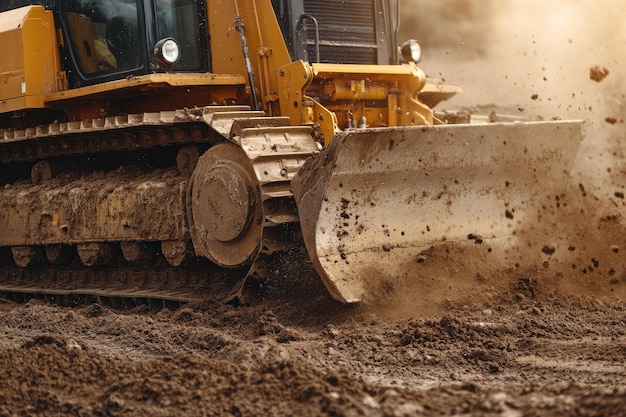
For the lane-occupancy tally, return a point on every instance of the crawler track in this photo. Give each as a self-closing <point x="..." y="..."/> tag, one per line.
<point x="105" y="215"/>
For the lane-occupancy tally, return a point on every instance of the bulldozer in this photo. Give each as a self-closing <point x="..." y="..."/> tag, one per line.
<point x="218" y="133"/>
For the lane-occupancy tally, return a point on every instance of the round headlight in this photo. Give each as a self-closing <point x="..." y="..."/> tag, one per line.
<point x="411" y="51"/>
<point x="167" y="51"/>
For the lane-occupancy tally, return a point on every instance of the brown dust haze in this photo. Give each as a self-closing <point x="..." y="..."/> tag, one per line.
<point x="534" y="57"/>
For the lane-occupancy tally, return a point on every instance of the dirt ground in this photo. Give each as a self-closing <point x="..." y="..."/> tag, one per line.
<point x="521" y="354"/>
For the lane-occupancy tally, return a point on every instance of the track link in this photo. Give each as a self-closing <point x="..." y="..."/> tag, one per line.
<point x="122" y="287"/>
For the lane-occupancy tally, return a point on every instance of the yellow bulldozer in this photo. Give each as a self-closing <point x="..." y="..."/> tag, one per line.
<point x="136" y="133"/>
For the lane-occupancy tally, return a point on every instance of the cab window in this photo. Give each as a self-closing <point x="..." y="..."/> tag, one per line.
<point x="104" y="35"/>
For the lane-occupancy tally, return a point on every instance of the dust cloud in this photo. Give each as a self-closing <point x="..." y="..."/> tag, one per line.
<point x="546" y="60"/>
<point x="536" y="58"/>
<point x="534" y="54"/>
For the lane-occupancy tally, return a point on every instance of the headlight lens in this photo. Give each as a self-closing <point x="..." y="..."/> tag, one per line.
<point x="411" y="51"/>
<point x="167" y="51"/>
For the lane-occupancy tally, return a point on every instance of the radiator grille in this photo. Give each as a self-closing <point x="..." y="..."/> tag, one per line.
<point x="347" y="31"/>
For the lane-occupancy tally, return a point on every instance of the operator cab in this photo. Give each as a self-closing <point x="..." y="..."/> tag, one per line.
<point x="112" y="39"/>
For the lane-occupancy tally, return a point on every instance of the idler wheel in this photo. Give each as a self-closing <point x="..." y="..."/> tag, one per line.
<point x="224" y="207"/>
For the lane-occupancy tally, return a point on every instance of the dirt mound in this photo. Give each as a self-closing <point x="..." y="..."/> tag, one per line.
<point x="60" y="377"/>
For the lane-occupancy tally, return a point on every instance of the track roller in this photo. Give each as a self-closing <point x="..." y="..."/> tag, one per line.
<point x="187" y="158"/>
<point x="27" y="256"/>
<point x="137" y="251"/>
<point x="43" y="171"/>
<point x="60" y="254"/>
<point x="95" y="253"/>
<point x="176" y="252"/>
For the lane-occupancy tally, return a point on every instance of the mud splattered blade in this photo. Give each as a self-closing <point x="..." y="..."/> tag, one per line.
<point x="375" y="199"/>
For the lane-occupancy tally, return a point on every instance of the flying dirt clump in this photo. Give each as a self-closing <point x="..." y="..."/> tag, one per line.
<point x="597" y="73"/>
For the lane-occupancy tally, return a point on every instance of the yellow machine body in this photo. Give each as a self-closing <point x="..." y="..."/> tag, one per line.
<point x="30" y="69"/>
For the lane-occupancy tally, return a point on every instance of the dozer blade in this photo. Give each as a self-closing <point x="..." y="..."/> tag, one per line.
<point x="375" y="201"/>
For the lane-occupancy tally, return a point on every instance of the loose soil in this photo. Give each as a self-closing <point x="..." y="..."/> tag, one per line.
<point x="290" y="350"/>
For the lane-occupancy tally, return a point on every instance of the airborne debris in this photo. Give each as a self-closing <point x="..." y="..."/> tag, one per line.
<point x="597" y="73"/>
<point x="476" y="238"/>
